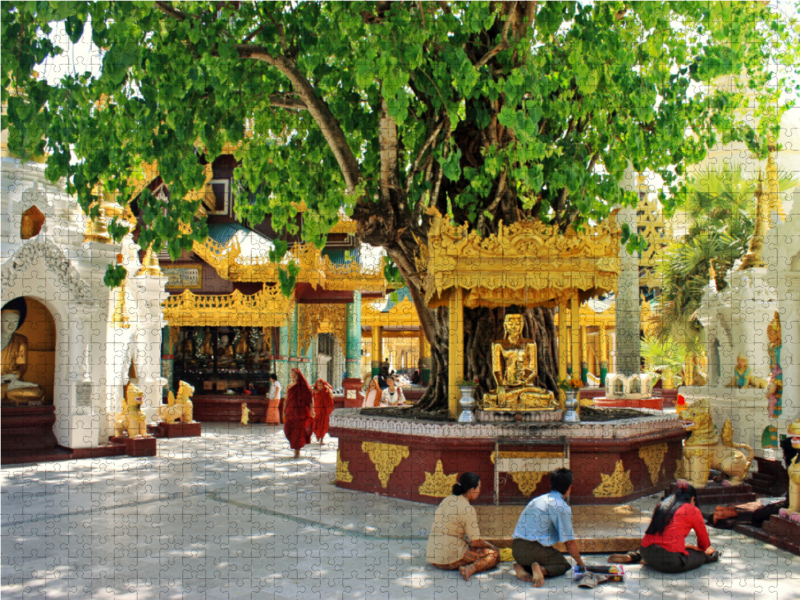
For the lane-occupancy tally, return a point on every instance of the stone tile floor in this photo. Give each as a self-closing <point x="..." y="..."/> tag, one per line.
<point x="231" y="515"/>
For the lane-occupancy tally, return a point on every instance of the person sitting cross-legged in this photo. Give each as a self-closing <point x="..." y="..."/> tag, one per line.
<point x="664" y="544"/>
<point x="455" y="541"/>
<point x="546" y="521"/>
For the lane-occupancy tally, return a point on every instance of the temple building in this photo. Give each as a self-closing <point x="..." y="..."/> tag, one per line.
<point x="227" y="324"/>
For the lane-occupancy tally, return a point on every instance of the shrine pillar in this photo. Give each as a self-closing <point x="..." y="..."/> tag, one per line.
<point x="603" y="355"/>
<point x="584" y="357"/>
<point x="575" y="324"/>
<point x="455" y="372"/>
<point x="377" y="349"/>
<point x="424" y="357"/>
<point x="167" y="360"/>
<point x="353" y="350"/>
<point x="563" y="343"/>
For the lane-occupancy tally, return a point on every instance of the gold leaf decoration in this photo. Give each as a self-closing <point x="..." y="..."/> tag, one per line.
<point x="653" y="457"/>
<point x="385" y="457"/>
<point x="616" y="485"/>
<point x="342" y="469"/>
<point x="527" y="482"/>
<point x="437" y="484"/>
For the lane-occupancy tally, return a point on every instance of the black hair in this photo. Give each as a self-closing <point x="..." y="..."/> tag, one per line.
<point x="20" y="305"/>
<point x="666" y="509"/>
<point x="273" y="376"/>
<point x="466" y="482"/>
<point x="561" y="480"/>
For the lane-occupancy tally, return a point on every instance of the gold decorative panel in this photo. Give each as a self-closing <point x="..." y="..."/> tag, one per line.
<point x="616" y="485"/>
<point x="343" y="469"/>
<point x="437" y="484"/>
<point x="527" y="256"/>
<point x="653" y="457"/>
<point x="385" y="457"/>
<point x="267" y="308"/>
<point x="527" y="482"/>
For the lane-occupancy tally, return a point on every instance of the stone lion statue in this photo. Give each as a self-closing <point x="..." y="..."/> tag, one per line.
<point x="131" y="418"/>
<point x="706" y="449"/>
<point x="180" y="408"/>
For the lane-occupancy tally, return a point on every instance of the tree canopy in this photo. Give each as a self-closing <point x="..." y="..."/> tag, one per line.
<point x="487" y="111"/>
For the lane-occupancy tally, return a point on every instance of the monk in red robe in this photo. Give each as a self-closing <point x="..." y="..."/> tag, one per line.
<point x="297" y="412"/>
<point x="323" y="406"/>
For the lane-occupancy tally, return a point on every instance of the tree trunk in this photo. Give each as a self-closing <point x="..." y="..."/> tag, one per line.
<point x="482" y="326"/>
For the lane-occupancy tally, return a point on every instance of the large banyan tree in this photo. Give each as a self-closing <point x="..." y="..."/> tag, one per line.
<point x="486" y="111"/>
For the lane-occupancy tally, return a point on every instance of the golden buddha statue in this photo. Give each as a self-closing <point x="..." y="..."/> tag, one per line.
<point x="15" y="356"/>
<point x="515" y="367"/>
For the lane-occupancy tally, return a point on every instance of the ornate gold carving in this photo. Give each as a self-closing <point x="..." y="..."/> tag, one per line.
<point x="616" y="485"/>
<point x="653" y="457"/>
<point x="527" y="482"/>
<point x="526" y="255"/>
<point x="401" y="314"/>
<point x="321" y="318"/>
<point x="756" y="245"/>
<point x="385" y="457"/>
<point x="343" y="469"/>
<point x="437" y="484"/>
<point x="267" y="308"/>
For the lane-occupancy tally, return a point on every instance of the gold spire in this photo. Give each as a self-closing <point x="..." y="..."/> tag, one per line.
<point x="150" y="264"/>
<point x="120" y="318"/>
<point x="773" y="188"/>
<point x="753" y="256"/>
<point x="97" y="229"/>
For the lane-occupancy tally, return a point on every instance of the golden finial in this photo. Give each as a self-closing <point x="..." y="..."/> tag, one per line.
<point x="712" y="274"/>
<point x="120" y="318"/>
<point x="97" y="229"/>
<point x="773" y="187"/>
<point x="150" y="264"/>
<point x="756" y="245"/>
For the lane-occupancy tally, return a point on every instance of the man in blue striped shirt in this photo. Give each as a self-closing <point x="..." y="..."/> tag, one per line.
<point x="546" y="521"/>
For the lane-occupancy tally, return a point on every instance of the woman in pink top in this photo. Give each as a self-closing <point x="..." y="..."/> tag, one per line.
<point x="664" y="545"/>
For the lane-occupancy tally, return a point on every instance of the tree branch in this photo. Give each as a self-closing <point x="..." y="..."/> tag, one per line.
<point x="173" y="12"/>
<point x="431" y="138"/>
<point x="317" y="108"/>
<point x="281" y="101"/>
<point x="387" y="138"/>
<point x="503" y="38"/>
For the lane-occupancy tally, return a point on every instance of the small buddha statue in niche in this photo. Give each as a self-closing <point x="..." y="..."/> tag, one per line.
<point x="515" y="367"/>
<point x="743" y="375"/>
<point x="15" y="356"/>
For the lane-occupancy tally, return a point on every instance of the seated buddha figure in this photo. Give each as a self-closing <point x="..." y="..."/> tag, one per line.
<point x="515" y="368"/>
<point x="15" y="356"/>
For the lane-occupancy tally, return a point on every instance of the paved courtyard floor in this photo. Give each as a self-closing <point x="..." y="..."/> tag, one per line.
<point x="231" y="515"/>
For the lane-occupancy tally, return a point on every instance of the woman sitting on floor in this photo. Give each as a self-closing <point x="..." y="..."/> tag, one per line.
<point x="664" y="545"/>
<point x="455" y="541"/>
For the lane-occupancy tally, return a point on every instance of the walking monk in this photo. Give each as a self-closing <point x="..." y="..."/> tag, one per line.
<point x="323" y="406"/>
<point x="297" y="412"/>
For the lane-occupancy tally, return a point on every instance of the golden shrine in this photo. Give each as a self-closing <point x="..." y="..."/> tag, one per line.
<point x="526" y="264"/>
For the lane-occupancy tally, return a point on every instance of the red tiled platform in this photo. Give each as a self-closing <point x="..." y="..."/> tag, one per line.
<point x="175" y="430"/>
<point x="595" y="450"/>
<point x="654" y="403"/>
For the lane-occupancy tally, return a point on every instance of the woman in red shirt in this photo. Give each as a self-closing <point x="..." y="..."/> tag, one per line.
<point x="664" y="545"/>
